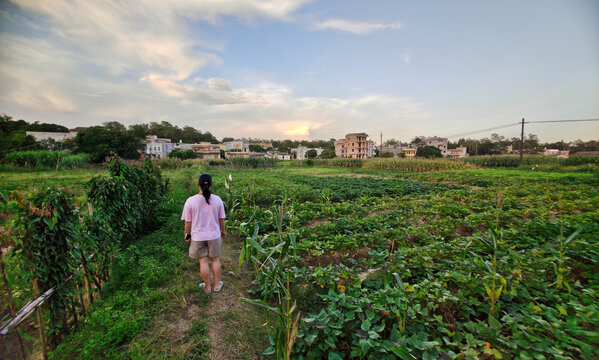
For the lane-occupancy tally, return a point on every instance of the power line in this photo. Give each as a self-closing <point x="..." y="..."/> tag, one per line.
<point x="484" y="130"/>
<point x="554" y="121"/>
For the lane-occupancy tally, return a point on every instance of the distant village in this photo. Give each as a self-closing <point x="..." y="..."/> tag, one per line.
<point x="353" y="146"/>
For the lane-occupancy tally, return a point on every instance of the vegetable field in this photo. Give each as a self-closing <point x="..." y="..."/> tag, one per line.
<point x="370" y="263"/>
<point x="455" y="264"/>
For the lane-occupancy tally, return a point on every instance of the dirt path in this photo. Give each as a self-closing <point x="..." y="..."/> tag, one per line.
<point x="234" y="328"/>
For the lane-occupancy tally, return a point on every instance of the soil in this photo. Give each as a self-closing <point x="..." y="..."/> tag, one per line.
<point x="336" y="257"/>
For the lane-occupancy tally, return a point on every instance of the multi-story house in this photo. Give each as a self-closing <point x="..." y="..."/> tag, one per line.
<point x="458" y="153"/>
<point x="355" y="146"/>
<point x="394" y="149"/>
<point x="158" y="147"/>
<point x="438" y="142"/>
<point x="238" y="145"/>
<point x="409" y="153"/>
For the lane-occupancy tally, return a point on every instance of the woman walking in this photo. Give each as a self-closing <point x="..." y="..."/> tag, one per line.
<point x="204" y="215"/>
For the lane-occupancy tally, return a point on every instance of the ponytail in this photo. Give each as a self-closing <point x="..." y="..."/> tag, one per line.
<point x="204" y="182"/>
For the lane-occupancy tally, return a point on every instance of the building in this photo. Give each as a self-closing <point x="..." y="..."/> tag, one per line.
<point x="263" y="144"/>
<point x="354" y="146"/>
<point x="458" y="153"/>
<point x="239" y="145"/>
<point x="438" y="142"/>
<point x="556" y="152"/>
<point x="281" y="155"/>
<point x="394" y="149"/>
<point x="158" y="147"/>
<point x="370" y="148"/>
<point x="299" y="153"/>
<point x="206" y="150"/>
<point x="237" y="154"/>
<point x="409" y="152"/>
<point x="56" y="136"/>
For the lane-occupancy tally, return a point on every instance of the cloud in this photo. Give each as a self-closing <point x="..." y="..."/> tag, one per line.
<point x="406" y="58"/>
<point x="150" y="35"/>
<point x="217" y="92"/>
<point x="356" y="27"/>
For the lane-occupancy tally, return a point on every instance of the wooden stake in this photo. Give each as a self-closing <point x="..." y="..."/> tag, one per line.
<point x="40" y="324"/>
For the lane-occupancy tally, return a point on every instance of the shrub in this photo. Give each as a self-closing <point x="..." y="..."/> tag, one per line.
<point x="514" y="160"/>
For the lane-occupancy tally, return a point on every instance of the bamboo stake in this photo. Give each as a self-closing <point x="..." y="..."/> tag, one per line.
<point x="40" y="324"/>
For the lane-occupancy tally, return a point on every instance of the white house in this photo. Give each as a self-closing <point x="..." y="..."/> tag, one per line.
<point x="438" y="142"/>
<point x="240" y="145"/>
<point x="158" y="147"/>
<point x="281" y="155"/>
<point x="56" y="136"/>
<point x="458" y="153"/>
<point x="300" y="152"/>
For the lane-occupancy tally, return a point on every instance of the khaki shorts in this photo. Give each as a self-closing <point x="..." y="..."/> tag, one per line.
<point x="200" y="249"/>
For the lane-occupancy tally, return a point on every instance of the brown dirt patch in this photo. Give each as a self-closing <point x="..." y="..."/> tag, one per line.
<point x="229" y="320"/>
<point x="461" y="231"/>
<point x="336" y="257"/>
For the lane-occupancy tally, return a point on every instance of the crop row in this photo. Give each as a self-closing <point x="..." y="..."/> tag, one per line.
<point x="407" y="273"/>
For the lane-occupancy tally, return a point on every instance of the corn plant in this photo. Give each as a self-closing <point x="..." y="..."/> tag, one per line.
<point x="400" y="313"/>
<point x="560" y="268"/>
<point x="493" y="240"/>
<point x="286" y="326"/>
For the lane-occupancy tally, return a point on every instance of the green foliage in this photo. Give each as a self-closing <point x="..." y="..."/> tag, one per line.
<point x="429" y="152"/>
<point x="127" y="198"/>
<point x="47" y="228"/>
<point x="461" y="297"/>
<point x="101" y="143"/>
<point x="257" y="148"/>
<point x="252" y="162"/>
<point x="514" y="161"/>
<point x="311" y="154"/>
<point x="327" y="154"/>
<point x="418" y="165"/>
<point x="387" y="154"/>
<point x="38" y="159"/>
<point x="183" y="155"/>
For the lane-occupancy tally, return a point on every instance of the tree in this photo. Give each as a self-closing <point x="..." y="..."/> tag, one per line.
<point x="16" y="141"/>
<point x="311" y="154"/>
<point x="418" y="141"/>
<point x="327" y="154"/>
<point x="257" y="148"/>
<point x="183" y="155"/>
<point x="387" y="154"/>
<point x="428" y="152"/>
<point x="225" y="139"/>
<point x="114" y="126"/>
<point x="139" y="131"/>
<point x="392" y="142"/>
<point x="101" y="142"/>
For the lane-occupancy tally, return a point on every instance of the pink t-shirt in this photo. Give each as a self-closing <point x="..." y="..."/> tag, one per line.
<point x="204" y="217"/>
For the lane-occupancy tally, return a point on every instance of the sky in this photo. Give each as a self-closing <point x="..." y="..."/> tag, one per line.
<point x="299" y="69"/>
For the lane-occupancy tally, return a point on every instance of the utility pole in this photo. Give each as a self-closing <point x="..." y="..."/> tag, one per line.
<point x="522" y="142"/>
<point x="381" y="147"/>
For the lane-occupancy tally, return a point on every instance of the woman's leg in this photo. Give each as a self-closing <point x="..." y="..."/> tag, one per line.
<point x="205" y="272"/>
<point x="215" y="263"/>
